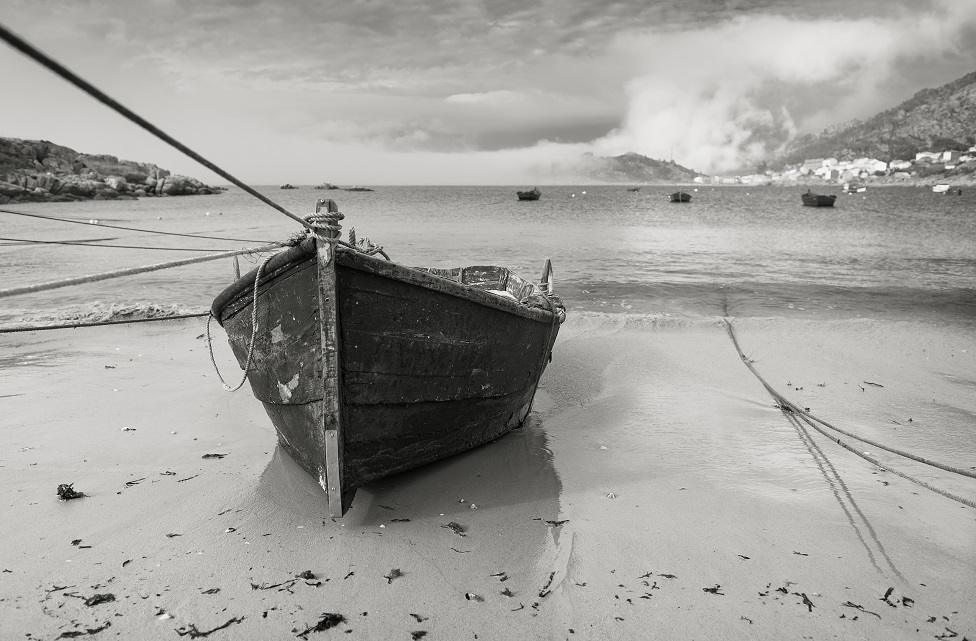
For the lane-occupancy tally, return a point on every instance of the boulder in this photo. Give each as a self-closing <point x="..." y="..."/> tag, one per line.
<point x="118" y="183"/>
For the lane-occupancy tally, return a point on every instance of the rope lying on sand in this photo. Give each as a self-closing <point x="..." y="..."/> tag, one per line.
<point x="91" y="278"/>
<point x="790" y="408"/>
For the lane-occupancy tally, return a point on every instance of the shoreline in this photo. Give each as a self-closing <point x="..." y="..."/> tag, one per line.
<point x="655" y="489"/>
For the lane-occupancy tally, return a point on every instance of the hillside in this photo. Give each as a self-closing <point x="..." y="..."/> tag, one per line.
<point x="633" y="168"/>
<point x="933" y="119"/>
<point x="40" y="171"/>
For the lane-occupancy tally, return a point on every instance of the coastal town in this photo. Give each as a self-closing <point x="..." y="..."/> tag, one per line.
<point x="949" y="166"/>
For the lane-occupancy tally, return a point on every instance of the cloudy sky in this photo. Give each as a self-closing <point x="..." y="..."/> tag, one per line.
<point x="466" y="91"/>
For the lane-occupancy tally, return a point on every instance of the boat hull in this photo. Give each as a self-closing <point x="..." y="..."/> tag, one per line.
<point x="428" y="367"/>
<point x="680" y="197"/>
<point x="819" y="200"/>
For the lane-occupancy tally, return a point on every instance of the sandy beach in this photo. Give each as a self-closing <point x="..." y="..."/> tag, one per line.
<point x="656" y="492"/>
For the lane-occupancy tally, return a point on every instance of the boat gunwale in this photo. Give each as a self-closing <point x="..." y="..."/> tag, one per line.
<point x="238" y="295"/>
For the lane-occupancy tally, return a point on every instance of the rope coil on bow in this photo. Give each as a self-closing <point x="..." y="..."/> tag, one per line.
<point x="325" y="227"/>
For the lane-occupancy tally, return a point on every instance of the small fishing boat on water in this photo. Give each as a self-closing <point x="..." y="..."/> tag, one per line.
<point x="811" y="199"/>
<point x="367" y="368"/>
<point x="941" y="188"/>
<point x="680" y="197"/>
<point x="532" y="194"/>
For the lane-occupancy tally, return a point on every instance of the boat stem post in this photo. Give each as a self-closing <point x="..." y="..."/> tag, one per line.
<point x="325" y="236"/>
<point x="548" y="280"/>
<point x="237" y="269"/>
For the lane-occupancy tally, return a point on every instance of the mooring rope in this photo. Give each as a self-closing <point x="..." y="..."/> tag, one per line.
<point x="137" y="229"/>
<point x="31" y="241"/>
<point x="80" y="324"/>
<point x="91" y="278"/>
<point x="787" y="406"/>
<point x="254" y="333"/>
<point x="35" y="54"/>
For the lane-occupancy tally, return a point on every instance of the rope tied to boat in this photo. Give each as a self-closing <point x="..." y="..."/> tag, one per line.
<point x="324" y="225"/>
<point x="254" y="333"/>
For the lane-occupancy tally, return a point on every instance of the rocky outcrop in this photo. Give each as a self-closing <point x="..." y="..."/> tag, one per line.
<point x="41" y="171"/>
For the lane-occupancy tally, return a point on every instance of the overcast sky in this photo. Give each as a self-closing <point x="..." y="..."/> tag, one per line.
<point x="468" y="92"/>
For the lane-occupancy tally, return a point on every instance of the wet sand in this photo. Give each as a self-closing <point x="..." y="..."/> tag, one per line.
<point x="655" y="492"/>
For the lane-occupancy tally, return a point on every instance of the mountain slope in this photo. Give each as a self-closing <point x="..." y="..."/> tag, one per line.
<point x="633" y="168"/>
<point x="931" y="120"/>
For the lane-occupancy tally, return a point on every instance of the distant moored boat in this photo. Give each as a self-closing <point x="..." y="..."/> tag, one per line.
<point x="532" y="194"/>
<point x="680" y="197"/>
<point x="811" y="199"/>
<point x="941" y="188"/>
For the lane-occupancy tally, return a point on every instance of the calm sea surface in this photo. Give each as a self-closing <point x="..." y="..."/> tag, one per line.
<point x="888" y="253"/>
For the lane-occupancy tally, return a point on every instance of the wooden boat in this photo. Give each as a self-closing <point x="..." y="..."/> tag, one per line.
<point x="680" y="197"/>
<point x="532" y="194"/>
<point x="854" y="188"/>
<point x="633" y="189"/>
<point x="941" y="188"/>
<point x="811" y="199"/>
<point x="368" y="368"/>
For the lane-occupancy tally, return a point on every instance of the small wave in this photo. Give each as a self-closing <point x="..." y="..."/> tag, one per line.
<point x="587" y="321"/>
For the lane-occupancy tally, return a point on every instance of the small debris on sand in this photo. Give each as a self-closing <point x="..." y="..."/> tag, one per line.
<point x="455" y="527"/>
<point x="99" y="598"/>
<point x="544" y="592"/>
<point x="194" y="633"/>
<point x="71" y="634"/>
<point x="327" y="620"/>
<point x="67" y="492"/>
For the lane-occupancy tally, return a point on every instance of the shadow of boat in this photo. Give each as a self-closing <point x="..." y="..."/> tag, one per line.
<point x="515" y="472"/>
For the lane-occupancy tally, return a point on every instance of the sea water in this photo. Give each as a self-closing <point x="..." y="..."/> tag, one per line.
<point x="886" y="254"/>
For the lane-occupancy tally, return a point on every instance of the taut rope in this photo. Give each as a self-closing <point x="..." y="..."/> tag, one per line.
<point x="91" y="278"/>
<point x="35" y="54"/>
<point x="147" y="231"/>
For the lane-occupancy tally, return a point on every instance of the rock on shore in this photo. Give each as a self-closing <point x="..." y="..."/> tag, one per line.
<point x="41" y="171"/>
